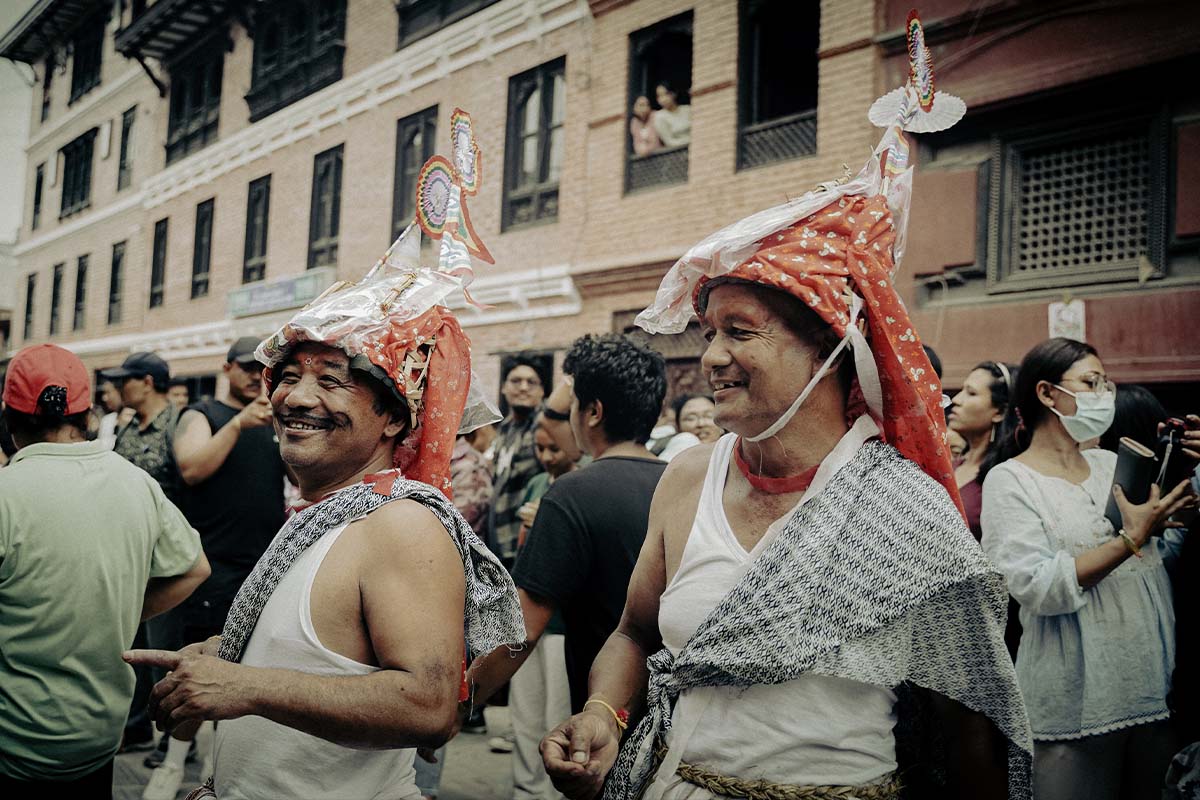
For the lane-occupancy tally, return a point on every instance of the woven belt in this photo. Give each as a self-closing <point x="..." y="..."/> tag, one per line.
<point x="725" y="786"/>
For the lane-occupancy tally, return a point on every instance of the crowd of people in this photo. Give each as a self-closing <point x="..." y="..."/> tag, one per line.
<point x="825" y="579"/>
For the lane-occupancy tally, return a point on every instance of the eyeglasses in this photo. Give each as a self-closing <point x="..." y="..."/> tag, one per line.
<point x="1095" y="383"/>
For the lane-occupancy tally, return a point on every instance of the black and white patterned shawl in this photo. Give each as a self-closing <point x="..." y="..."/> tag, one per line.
<point x="876" y="580"/>
<point x="492" y="611"/>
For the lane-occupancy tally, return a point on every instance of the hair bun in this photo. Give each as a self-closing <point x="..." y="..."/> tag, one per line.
<point x="53" y="400"/>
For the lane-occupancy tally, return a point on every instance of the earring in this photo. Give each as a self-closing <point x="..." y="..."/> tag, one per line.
<point x="992" y="434"/>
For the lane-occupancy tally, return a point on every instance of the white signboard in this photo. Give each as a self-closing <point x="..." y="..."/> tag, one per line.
<point x="1068" y="320"/>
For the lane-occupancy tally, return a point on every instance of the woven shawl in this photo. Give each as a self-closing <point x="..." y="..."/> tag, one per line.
<point x="492" y="610"/>
<point x="876" y="580"/>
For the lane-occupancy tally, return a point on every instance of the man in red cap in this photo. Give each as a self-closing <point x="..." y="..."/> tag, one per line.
<point x="76" y="521"/>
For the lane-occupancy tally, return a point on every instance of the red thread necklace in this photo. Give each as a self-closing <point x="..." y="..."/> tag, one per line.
<point x="792" y="483"/>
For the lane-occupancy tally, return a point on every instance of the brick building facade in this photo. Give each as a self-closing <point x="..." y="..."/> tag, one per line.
<point x="241" y="156"/>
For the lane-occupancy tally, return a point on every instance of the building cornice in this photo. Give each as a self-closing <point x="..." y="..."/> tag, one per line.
<point x="480" y="37"/>
<point x="94" y="99"/>
<point x="86" y="220"/>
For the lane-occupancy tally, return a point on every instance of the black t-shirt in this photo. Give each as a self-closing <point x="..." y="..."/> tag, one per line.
<point x="239" y="509"/>
<point x="581" y="550"/>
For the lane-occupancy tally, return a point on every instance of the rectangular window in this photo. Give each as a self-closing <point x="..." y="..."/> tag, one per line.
<point x="298" y="47"/>
<point x="326" y="205"/>
<point x="258" y="207"/>
<point x="88" y="48"/>
<point x="534" y="144"/>
<point x="777" y="118"/>
<point x="660" y="117"/>
<point x="1077" y="206"/>
<point x="56" y="297"/>
<point x="420" y="18"/>
<point x="81" y="316"/>
<point x="202" y="248"/>
<point x="158" y="263"/>
<point x="124" y="168"/>
<point x="39" y="181"/>
<point x="77" y="174"/>
<point x="47" y="82"/>
<point x="116" y="280"/>
<point x="30" y="296"/>
<point x="195" y="102"/>
<point x="416" y="136"/>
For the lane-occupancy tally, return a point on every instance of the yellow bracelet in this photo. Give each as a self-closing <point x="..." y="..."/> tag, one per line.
<point x="621" y="724"/>
<point x="1133" y="548"/>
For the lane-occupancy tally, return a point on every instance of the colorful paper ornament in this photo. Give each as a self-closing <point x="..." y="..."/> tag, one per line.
<point x="917" y="106"/>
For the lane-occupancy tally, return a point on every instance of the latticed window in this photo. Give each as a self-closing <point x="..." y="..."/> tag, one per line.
<point x="326" y="208"/>
<point x="415" y="139"/>
<point x="195" y="103"/>
<point x="420" y="18"/>
<point x="116" y="281"/>
<point x="258" y="207"/>
<point x="30" y="297"/>
<point x="1078" y="209"/>
<point x="298" y="47"/>
<point x="77" y="174"/>
<point x="81" y="272"/>
<point x="778" y="118"/>
<point x="202" y="249"/>
<point x="660" y="77"/>
<point x="88" y="47"/>
<point x="158" y="263"/>
<point x="535" y="145"/>
<point x="56" y="297"/>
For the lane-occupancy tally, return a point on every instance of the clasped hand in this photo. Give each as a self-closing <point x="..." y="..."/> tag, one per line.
<point x="579" y="753"/>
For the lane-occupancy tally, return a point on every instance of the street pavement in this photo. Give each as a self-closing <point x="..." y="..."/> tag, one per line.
<point x="472" y="771"/>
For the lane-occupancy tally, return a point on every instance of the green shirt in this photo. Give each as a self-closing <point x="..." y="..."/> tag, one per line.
<point x="81" y="532"/>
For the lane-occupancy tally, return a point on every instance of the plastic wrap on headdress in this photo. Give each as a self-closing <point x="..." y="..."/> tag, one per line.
<point x="394" y="323"/>
<point x="837" y="249"/>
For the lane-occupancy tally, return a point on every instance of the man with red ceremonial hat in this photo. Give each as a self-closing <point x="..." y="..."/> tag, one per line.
<point x="343" y="650"/>
<point x="809" y="613"/>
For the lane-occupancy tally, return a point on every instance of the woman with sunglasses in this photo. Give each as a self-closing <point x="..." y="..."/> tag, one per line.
<point x="1097" y="644"/>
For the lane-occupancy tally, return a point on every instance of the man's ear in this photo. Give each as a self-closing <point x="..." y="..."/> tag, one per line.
<point x="397" y="423"/>
<point x="594" y="413"/>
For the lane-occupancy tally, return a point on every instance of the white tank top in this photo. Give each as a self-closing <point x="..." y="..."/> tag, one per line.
<point x="815" y="730"/>
<point x="255" y="758"/>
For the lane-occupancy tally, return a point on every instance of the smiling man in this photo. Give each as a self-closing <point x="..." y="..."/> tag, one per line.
<point x="343" y="651"/>
<point x="809" y="614"/>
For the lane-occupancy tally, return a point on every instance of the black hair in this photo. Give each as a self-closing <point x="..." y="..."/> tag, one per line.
<point x="1001" y="386"/>
<point x="171" y="384"/>
<point x="629" y="380"/>
<point x="936" y="362"/>
<point x="682" y="400"/>
<point x="51" y="415"/>
<point x="531" y="360"/>
<point x="1047" y="361"/>
<point x="1137" y="416"/>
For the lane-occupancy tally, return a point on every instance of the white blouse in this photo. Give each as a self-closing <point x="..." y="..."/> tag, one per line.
<point x="1091" y="660"/>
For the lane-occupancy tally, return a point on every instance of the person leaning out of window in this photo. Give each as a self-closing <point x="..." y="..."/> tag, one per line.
<point x="1098" y="642"/>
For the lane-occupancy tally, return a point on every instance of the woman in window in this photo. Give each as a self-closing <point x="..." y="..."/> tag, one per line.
<point x="1098" y="637"/>
<point x="672" y="121"/>
<point x="641" y="128"/>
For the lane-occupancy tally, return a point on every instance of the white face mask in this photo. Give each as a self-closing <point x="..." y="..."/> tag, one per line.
<point x="1094" y="412"/>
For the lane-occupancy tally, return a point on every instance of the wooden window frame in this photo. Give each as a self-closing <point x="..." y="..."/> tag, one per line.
<point x="56" y="281"/>
<point x="254" y="260"/>
<point x="39" y="182"/>
<point x="158" y="263"/>
<point x="79" y="320"/>
<point x="124" y="167"/>
<point x="116" y="282"/>
<point x="194" y="109"/>
<point x="202" y="248"/>
<point x="545" y="188"/>
<point x="77" y="174"/>
<point x="323" y="232"/>
<point x="303" y="60"/>
<point x="404" y="185"/>
<point x="87" y="49"/>
<point x="30" y="302"/>
<point x="420" y="18"/>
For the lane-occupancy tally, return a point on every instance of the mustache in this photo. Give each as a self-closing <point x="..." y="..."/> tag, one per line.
<point x="316" y="420"/>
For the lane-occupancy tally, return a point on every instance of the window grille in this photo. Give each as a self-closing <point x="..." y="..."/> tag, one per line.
<point x="659" y="54"/>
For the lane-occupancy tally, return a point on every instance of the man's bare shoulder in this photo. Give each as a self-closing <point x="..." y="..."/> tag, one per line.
<point x="685" y="474"/>
<point x="403" y="527"/>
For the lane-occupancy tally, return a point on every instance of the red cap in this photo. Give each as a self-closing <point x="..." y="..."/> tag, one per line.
<point x="40" y="366"/>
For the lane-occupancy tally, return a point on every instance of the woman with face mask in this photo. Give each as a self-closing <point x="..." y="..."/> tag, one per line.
<point x="1097" y="645"/>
